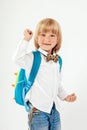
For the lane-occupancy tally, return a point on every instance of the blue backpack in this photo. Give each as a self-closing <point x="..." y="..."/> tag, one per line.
<point x="23" y="85"/>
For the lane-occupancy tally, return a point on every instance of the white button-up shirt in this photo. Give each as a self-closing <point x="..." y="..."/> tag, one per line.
<point x="47" y="87"/>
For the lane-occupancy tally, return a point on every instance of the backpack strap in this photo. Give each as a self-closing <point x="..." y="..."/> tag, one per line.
<point x="35" y="66"/>
<point x="60" y="62"/>
<point x="32" y="76"/>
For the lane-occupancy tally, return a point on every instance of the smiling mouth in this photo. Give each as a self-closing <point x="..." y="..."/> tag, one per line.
<point x="47" y="44"/>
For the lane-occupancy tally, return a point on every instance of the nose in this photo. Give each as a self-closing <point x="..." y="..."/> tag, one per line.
<point x="47" y="38"/>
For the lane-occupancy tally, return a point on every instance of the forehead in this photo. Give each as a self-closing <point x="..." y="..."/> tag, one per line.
<point x="48" y="28"/>
<point x="46" y="32"/>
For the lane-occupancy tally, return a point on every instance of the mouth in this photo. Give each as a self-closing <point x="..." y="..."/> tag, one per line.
<point x="47" y="44"/>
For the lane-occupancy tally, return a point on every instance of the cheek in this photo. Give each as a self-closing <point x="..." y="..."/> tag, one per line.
<point x="54" y="43"/>
<point x="39" y="40"/>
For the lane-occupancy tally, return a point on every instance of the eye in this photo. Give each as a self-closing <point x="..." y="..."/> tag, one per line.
<point x="42" y="34"/>
<point x="52" y="35"/>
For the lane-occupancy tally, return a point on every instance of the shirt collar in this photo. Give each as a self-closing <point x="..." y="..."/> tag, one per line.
<point x="43" y="51"/>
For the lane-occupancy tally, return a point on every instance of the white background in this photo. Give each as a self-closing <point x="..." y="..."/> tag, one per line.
<point x="15" y="16"/>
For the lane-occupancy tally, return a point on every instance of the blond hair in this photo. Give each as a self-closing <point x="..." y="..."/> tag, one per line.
<point x="47" y="25"/>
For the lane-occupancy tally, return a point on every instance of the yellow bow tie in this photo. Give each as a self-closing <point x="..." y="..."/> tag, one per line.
<point x="52" y="57"/>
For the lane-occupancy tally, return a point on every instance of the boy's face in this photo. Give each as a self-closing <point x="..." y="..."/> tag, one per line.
<point x="47" y="41"/>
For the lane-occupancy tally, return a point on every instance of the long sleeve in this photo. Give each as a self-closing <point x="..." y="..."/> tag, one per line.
<point x="22" y="57"/>
<point x="62" y="94"/>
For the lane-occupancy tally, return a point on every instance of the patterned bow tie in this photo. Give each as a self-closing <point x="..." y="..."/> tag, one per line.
<point x="52" y="57"/>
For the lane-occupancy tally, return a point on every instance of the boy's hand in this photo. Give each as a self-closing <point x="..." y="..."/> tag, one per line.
<point x="27" y="34"/>
<point x="70" y="98"/>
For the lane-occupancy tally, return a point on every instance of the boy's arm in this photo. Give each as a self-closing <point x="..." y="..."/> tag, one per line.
<point x="20" y="56"/>
<point x="62" y="94"/>
<point x="67" y="97"/>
